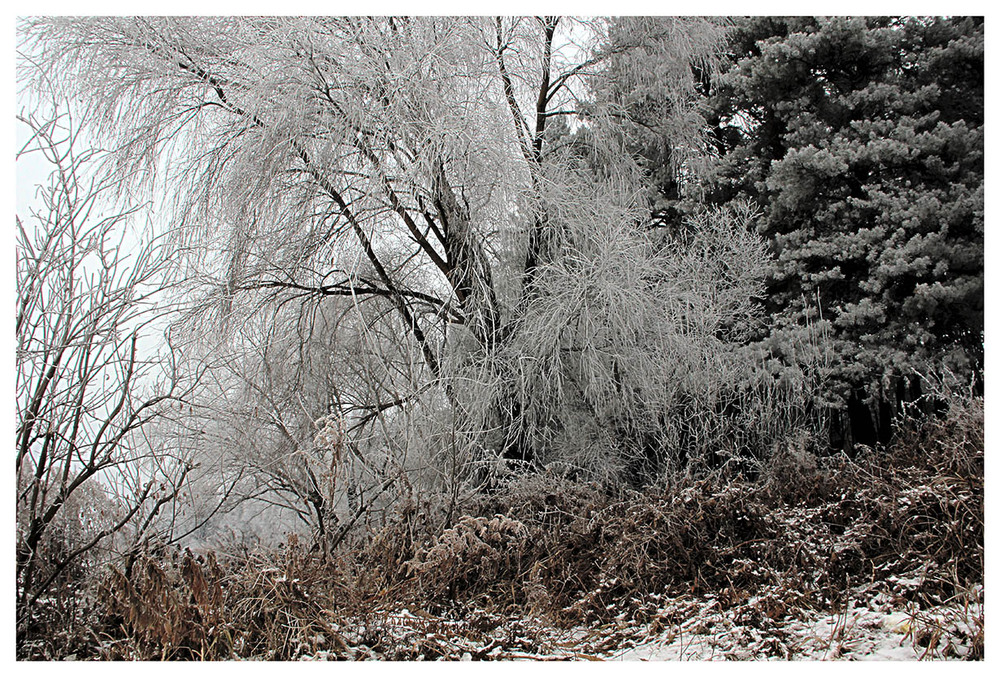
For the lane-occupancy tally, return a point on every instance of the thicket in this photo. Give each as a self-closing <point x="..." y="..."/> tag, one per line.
<point x="815" y="533"/>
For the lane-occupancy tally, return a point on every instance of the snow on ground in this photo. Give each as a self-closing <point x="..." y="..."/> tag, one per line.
<point x="854" y="634"/>
<point x="683" y="628"/>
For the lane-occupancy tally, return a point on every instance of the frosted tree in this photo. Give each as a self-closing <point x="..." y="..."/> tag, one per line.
<point x="425" y="175"/>
<point x="862" y="141"/>
<point x="86" y="391"/>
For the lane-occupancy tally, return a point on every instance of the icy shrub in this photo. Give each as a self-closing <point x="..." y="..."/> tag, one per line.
<point x="476" y="550"/>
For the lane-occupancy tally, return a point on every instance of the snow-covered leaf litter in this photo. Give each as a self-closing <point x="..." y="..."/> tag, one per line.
<point x="686" y="629"/>
<point x="871" y="632"/>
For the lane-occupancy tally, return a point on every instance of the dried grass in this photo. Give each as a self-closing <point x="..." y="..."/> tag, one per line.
<point x="901" y="528"/>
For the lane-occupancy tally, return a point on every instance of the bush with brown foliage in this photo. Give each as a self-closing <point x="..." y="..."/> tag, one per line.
<point x="905" y="523"/>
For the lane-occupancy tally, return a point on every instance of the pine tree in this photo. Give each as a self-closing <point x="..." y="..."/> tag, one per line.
<point x="862" y="141"/>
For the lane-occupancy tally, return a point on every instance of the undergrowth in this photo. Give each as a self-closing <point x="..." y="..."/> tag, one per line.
<point x="903" y="525"/>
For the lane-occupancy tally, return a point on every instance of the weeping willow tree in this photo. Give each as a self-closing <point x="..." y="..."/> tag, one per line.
<point x="456" y="186"/>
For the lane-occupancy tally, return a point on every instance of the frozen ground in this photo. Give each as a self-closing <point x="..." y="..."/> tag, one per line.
<point x="682" y="629"/>
<point x="853" y="634"/>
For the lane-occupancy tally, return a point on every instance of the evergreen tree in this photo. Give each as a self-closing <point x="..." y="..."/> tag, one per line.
<point x="862" y="141"/>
